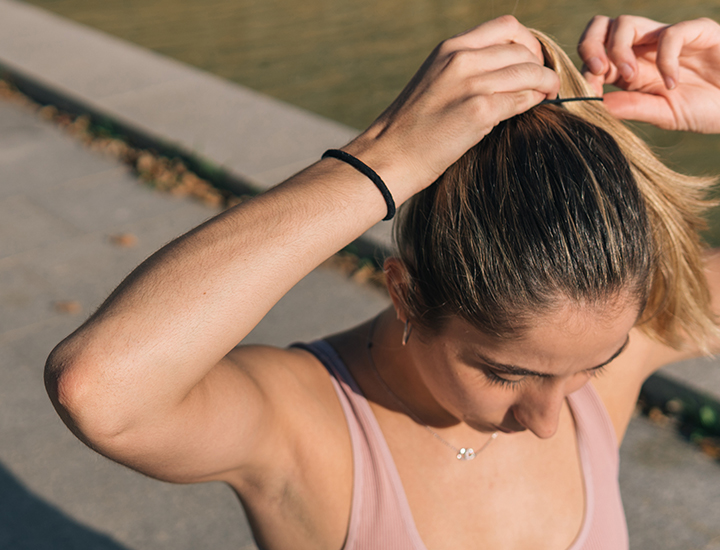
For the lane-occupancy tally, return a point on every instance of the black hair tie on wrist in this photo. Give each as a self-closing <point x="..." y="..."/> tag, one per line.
<point x="363" y="168"/>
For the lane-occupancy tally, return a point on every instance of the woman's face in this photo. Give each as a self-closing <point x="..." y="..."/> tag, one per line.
<point x="514" y="385"/>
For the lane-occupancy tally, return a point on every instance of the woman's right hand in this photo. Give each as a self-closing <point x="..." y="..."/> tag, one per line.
<point x="467" y="86"/>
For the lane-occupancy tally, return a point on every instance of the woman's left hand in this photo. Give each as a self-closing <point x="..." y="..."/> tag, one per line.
<point x="669" y="75"/>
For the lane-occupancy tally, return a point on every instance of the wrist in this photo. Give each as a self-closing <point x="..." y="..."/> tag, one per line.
<point x="401" y="176"/>
<point x="369" y="173"/>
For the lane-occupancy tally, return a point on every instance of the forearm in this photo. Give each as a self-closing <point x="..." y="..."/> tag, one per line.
<point x="190" y="303"/>
<point x="165" y="328"/>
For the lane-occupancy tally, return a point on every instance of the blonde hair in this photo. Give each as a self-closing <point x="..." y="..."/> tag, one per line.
<point x="558" y="201"/>
<point x="678" y="307"/>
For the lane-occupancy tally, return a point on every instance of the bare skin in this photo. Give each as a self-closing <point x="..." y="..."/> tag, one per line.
<point x="153" y="380"/>
<point x="442" y="381"/>
<point x="667" y="74"/>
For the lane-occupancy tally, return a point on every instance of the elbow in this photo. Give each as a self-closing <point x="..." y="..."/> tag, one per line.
<point x="80" y="399"/>
<point x="58" y="381"/>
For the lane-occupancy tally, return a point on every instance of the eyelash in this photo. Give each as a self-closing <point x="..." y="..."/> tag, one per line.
<point x="505" y="383"/>
<point x="597" y="372"/>
<point x="502" y="382"/>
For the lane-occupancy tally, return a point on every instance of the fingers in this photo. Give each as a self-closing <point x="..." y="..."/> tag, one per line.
<point x="498" y="69"/>
<point x="641" y="107"/>
<point x="499" y="95"/>
<point x="670" y="44"/>
<point x="619" y="44"/>
<point x="504" y="106"/>
<point x="591" y="46"/>
<point x="490" y="58"/>
<point x="503" y="30"/>
<point x="673" y="39"/>
<point x="626" y="33"/>
<point x="522" y="77"/>
<point x="595" y="81"/>
<point x="607" y="45"/>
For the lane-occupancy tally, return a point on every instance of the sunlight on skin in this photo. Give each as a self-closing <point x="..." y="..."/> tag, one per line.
<point x="567" y="347"/>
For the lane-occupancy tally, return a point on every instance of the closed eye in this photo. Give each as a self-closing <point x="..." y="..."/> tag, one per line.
<point x="495" y="378"/>
<point x="598" y="371"/>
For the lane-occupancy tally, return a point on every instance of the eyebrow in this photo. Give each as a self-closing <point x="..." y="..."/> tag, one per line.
<point x="520" y="371"/>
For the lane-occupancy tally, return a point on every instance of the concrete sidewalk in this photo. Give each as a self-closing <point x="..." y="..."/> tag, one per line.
<point x="59" y="206"/>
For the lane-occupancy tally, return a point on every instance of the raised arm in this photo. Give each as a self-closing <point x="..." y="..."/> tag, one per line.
<point x="669" y="75"/>
<point x="146" y="379"/>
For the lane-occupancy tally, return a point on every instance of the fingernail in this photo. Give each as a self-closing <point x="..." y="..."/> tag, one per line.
<point x="595" y="65"/>
<point x="669" y="82"/>
<point x="626" y="71"/>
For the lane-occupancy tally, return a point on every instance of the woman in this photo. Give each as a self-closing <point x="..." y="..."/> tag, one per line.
<point x="548" y="249"/>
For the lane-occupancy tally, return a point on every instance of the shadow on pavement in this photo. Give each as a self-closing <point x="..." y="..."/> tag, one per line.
<point x="29" y="523"/>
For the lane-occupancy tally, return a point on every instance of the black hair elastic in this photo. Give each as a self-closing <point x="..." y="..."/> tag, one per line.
<point x="558" y="101"/>
<point x="360" y="166"/>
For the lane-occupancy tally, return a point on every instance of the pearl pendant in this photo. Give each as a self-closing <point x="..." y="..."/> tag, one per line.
<point x="466" y="454"/>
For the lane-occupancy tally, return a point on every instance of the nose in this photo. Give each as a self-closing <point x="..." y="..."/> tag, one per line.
<point x="539" y="411"/>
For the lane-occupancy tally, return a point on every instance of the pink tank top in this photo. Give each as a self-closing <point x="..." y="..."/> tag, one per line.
<point x="380" y="516"/>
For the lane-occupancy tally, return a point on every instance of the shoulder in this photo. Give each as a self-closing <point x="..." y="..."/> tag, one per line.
<point x="293" y="382"/>
<point x="273" y="368"/>
<point x="297" y="390"/>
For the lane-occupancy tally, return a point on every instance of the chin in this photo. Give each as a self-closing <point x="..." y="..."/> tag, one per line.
<point x="482" y="427"/>
<point x="510" y="431"/>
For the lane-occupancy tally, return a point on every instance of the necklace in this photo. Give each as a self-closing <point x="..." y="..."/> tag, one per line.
<point x="462" y="453"/>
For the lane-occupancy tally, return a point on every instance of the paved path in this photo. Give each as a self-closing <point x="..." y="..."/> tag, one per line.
<point x="59" y="204"/>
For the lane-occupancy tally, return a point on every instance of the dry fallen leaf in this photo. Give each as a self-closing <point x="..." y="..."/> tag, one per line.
<point x="48" y="112"/>
<point x="212" y="198"/>
<point x="657" y="416"/>
<point x="124" y="240"/>
<point x="234" y="200"/>
<point x="63" y="119"/>
<point x="145" y="163"/>
<point x="68" y="306"/>
<point x="363" y="275"/>
<point x="711" y="447"/>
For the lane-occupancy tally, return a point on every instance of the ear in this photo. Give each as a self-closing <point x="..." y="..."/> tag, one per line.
<point x="396" y="279"/>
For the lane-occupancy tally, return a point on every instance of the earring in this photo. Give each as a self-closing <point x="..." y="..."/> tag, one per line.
<point x="407" y="331"/>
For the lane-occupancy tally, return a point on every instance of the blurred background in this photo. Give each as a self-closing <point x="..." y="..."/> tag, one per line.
<point x="344" y="59"/>
<point x="348" y="59"/>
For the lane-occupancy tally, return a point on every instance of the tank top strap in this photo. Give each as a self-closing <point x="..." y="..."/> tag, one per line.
<point x="605" y="525"/>
<point x="380" y="515"/>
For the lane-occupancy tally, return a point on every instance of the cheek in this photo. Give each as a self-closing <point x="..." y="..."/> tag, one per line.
<point x="449" y="387"/>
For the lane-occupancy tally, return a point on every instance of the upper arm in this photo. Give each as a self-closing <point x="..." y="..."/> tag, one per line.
<point x="620" y="387"/>
<point x="232" y="419"/>
<point x="659" y="354"/>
